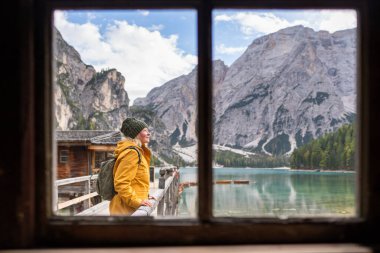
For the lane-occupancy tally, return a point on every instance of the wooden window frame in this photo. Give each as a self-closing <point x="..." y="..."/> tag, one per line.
<point x="206" y="229"/>
<point x="66" y="156"/>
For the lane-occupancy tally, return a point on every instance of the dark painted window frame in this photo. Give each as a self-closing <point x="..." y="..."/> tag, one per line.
<point x="51" y="230"/>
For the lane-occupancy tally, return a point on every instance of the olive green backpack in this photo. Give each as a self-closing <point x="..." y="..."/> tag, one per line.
<point x="105" y="182"/>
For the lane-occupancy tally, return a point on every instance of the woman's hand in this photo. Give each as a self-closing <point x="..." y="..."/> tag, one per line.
<point x="152" y="197"/>
<point x="145" y="202"/>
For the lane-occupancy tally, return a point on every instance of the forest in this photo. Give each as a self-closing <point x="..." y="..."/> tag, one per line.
<point x="231" y="159"/>
<point x="332" y="151"/>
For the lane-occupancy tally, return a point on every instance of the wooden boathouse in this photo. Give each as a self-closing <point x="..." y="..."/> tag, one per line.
<point x="80" y="152"/>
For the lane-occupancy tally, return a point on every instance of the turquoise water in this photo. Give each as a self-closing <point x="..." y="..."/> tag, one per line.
<point x="274" y="193"/>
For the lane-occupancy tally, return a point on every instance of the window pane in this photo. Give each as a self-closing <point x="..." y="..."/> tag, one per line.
<point x="113" y="65"/>
<point x="285" y="108"/>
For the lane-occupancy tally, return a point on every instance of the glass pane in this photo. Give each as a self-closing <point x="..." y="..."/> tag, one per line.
<point x="125" y="82"/>
<point x="285" y="91"/>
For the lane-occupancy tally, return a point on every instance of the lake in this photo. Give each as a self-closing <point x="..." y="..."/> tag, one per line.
<point x="276" y="192"/>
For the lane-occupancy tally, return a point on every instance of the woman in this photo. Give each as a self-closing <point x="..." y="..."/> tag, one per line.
<point x="131" y="175"/>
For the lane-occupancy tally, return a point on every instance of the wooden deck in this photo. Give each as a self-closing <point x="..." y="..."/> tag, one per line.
<point x="97" y="210"/>
<point x="165" y="191"/>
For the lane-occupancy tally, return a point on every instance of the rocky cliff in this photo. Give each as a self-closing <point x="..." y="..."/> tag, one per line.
<point x="287" y="88"/>
<point x="84" y="98"/>
<point x="89" y="100"/>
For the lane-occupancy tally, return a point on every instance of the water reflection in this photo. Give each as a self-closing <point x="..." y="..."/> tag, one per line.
<point x="279" y="193"/>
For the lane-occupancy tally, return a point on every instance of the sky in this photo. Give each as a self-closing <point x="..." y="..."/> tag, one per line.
<point x="151" y="47"/>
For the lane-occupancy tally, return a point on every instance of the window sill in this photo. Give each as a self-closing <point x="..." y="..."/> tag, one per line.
<point x="281" y="248"/>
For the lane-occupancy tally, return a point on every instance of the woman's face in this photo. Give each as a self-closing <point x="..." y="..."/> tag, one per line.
<point x="144" y="136"/>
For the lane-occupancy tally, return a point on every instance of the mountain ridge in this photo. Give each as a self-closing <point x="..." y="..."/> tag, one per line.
<point x="286" y="88"/>
<point x="85" y="98"/>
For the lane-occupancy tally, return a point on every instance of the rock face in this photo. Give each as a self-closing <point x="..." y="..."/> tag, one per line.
<point x="84" y="98"/>
<point x="89" y="100"/>
<point x="175" y="104"/>
<point x="285" y="89"/>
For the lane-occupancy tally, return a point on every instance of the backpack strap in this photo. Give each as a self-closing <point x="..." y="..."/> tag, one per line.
<point x="134" y="148"/>
<point x="138" y="152"/>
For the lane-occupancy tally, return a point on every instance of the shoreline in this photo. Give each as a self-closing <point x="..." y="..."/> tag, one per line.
<point x="306" y="170"/>
<point x="320" y="170"/>
<point x="284" y="168"/>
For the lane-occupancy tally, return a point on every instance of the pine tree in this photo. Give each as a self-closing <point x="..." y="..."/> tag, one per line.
<point x="331" y="151"/>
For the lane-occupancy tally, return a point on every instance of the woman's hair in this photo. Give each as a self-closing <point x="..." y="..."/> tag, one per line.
<point x="135" y="140"/>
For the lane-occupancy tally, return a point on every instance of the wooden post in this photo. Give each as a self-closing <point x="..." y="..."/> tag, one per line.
<point x="90" y="172"/>
<point x="161" y="185"/>
<point x="175" y="193"/>
<point x="167" y="201"/>
<point x="92" y="160"/>
<point x="168" y="194"/>
<point x="151" y="171"/>
<point x="71" y="208"/>
<point x="89" y="169"/>
<point x="88" y="192"/>
<point x="172" y="197"/>
<point x="170" y="171"/>
<point x="56" y="199"/>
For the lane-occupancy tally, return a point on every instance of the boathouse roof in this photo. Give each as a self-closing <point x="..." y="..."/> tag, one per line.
<point x="89" y="136"/>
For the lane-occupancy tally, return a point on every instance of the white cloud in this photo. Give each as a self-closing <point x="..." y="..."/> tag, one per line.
<point x="91" y="16"/>
<point x="156" y="27"/>
<point x="337" y="20"/>
<point x="222" y="49"/>
<point x="144" y="12"/>
<point x="223" y="17"/>
<point x="85" y="38"/>
<point x="145" y="58"/>
<point x="262" y="23"/>
<point x="253" y="23"/>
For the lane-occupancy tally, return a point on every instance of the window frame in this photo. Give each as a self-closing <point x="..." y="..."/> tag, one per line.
<point x="206" y="229"/>
<point x="64" y="158"/>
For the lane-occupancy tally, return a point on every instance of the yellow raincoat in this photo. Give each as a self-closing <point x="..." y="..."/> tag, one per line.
<point x="131" y="180"/>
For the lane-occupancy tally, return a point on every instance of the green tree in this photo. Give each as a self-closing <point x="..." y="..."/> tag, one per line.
<point x="330" y="151"/>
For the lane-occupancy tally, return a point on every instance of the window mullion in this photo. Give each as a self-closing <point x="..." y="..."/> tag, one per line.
<point x="204" y="113"/>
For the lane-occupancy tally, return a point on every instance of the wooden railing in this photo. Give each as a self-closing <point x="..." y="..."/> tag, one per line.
<point x="89" y="193"/>
<point x="164" y="202"/>
<point x="165" y="197"/>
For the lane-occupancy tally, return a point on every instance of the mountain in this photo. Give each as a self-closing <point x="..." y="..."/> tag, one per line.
<point x="175" y="104"/>
<point x="89" y="100"/>
<point x="84" y="98"/>
<point x="287" y="88"/>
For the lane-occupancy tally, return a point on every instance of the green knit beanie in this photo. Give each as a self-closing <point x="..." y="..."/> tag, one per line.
<point x="131" y="127"/>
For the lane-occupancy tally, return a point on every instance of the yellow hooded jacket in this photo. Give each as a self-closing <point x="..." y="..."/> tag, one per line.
<point x="131" y="180"/>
